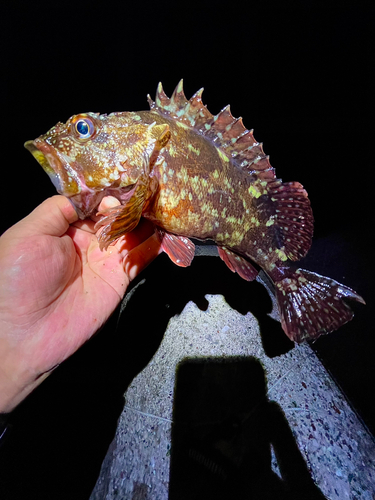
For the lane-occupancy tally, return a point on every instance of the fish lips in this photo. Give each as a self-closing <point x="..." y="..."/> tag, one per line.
<point x="43" y="153"/>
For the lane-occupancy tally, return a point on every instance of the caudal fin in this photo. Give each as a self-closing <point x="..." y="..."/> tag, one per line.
<point x="311" y="305"/>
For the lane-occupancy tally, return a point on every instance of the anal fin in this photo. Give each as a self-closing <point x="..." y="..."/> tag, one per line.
<point x="238" y="264"/>
<point x="179" y="249"/>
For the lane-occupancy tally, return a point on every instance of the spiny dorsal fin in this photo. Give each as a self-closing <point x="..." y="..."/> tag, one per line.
<point x="227" y="133"/>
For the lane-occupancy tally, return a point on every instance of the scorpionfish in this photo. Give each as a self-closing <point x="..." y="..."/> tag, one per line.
<point x="196" y="175"/>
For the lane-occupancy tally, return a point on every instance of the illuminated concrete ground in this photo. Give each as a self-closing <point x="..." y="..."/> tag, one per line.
<point x="219" y="433"/>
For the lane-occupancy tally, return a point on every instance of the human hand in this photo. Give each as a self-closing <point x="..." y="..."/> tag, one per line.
<point x="57" y="288"/>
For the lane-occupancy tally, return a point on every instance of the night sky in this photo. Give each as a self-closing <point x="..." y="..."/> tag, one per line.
<point x="298" y="72"/>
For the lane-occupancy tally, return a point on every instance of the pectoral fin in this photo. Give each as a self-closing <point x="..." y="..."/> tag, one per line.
<point x="179" y="249"/>
<point x="122" y="219"/>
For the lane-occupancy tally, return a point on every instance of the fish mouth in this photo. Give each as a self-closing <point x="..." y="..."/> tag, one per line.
<point x="48" y="158"/>
<point x="64" y="175"/>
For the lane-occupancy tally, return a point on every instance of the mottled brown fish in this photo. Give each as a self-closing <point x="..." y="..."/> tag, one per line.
<point x="195" y="175"/>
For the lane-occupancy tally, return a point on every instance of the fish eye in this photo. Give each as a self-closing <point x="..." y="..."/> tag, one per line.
<point x="83" y="127"/>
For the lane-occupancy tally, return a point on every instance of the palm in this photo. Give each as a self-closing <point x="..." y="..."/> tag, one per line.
<point x="59" y="289"/>
<point x="82" y="286"/>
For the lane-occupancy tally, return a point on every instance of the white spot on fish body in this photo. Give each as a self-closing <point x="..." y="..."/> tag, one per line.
<point x="281" y="255"/>
<point x="255" y="221"/>
<point x="237" y="237"/>
<point x="223" y="156"/>
<point x="182" y="125"/>
<point x="120" y="167"/>
<point x="254" y="191"/>
<point x="194" y="150"/>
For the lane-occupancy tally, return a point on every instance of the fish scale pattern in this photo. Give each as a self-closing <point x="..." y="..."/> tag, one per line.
<point x="287" y="203"/>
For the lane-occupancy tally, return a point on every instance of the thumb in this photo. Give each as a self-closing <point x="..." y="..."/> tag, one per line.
<point x="52" y="217"/>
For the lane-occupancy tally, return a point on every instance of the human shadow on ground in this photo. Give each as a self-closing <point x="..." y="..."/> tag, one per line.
<point x="223" y="430"/>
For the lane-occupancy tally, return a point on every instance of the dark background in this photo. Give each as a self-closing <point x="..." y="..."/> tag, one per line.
<point x="300" y="74"/>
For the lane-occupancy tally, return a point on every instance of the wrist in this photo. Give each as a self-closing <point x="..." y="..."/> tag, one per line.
<point x="11" y="394"/>
<point x="15" y="382"/>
